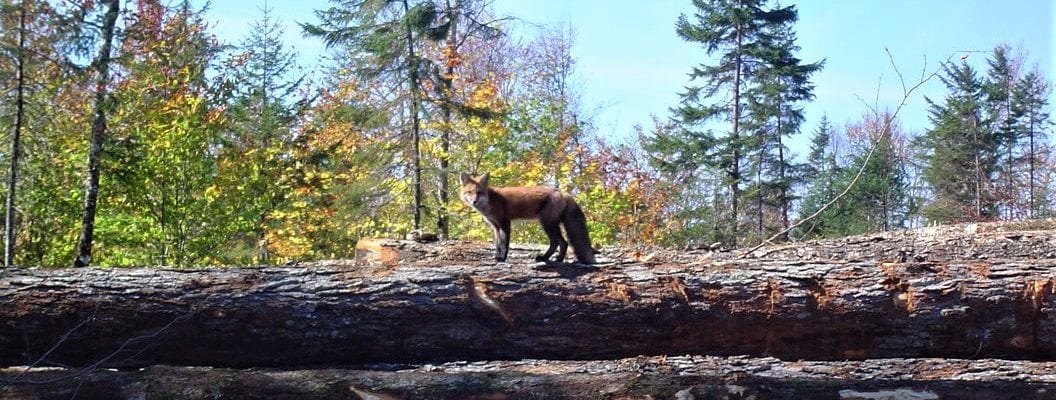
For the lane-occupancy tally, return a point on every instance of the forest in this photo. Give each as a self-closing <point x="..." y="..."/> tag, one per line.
<point x="134" y="137"/>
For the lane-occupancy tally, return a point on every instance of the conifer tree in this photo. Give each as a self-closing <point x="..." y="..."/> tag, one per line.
<point x="1001" y="119"/>
<point x="1030" y="99"/>
<point x="960" y="152"/>
<point x="820" y="174"/>
<point x="775" y="113"/>
<point x="458" y="25"/>
<point x="737" y="35"/>
<point x="385" y="39"/>
<point x="265" y="80"/>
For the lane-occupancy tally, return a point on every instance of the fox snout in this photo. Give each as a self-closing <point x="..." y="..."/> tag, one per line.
<point x="474" y="198"/>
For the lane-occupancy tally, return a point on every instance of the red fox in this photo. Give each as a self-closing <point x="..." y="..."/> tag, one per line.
<point x="553" y="208"/>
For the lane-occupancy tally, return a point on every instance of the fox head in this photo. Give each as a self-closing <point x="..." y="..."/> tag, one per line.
<point x="475" y="190"/>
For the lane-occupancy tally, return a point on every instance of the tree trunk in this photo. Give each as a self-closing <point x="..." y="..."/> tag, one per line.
<point x="416" y="155"/>
<point x="448" y="90"/>
<point x="680" y="377"/>
<point x="971" y="293"/>
<point x="1033" y="158"/>
<point x="95" y="150"/>
<point x="16" y="137"/>
<point x="735" y="142"/>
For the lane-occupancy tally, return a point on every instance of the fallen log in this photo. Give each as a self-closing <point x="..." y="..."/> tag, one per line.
<point x="1010" y="240"/>
<point x="636" y="378"/>
<point x="456" y="307"/>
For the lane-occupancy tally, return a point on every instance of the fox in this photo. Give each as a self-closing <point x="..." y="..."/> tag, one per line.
<point x="553" y="208"/>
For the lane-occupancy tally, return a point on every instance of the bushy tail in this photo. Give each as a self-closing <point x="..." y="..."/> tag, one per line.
<point x="576" y="226"/>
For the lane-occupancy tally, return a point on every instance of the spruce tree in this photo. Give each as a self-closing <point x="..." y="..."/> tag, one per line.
<point x="262" y="113"/>
<point x="1001" y="119"/>
<point x="819" y="174"/>
<point x="1030" y="99"/>
<point x="960" y="152"/>
<point x="384" y="38"/>
<point x="775" y="113"/>
<point x="734" y="35"/>
<point x="879" y="201"/>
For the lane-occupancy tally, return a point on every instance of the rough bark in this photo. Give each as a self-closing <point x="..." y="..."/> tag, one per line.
<point x="1021" y="239"/>
<point x="449" y="306"/>
<point x="637" y="378"/>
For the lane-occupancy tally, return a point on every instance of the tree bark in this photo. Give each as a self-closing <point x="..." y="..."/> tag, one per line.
<point x="638" y="378"/>
<point x="16" y="139"/>
<point x="449" y="305"/>
<point x="95" y="147"/>
<point x="412" y="79"/>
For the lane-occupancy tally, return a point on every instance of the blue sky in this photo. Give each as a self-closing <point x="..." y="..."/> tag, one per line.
<point x="630" y="65"/>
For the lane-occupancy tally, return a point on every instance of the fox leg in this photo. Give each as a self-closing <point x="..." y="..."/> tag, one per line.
<point x="502" y="240"/>
<point x="553" y="232"/>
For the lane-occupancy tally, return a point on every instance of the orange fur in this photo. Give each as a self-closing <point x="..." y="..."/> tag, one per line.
<point x="553" y="209"/>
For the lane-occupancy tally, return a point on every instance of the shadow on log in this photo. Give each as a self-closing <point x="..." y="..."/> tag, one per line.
<point x="440" y="302"/>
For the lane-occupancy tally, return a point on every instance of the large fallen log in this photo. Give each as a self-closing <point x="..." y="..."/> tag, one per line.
<point x="456" y="307"/>
<point x="637" y="378"/>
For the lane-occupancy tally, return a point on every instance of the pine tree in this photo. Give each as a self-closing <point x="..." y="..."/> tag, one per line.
<point x="262" y="114"/>
<point x="880" y="199"/>
<point x="385" y="40"/>
<point x="1030" y="99"/>
<point x="960" y="153"/>
<point x="775" y="113"/>
<point x="737" y="35"/>
<point x="1000" y="82"/>
<point x="820" y="174"/>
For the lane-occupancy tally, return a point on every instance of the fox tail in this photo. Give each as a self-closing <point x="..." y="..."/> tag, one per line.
<point x="575" y="223"/>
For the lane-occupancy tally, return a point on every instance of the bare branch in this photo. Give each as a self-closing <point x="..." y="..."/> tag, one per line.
<point x="94" y="366"/>
<point x="57" y="344"/>
<point x="886" y="132"/>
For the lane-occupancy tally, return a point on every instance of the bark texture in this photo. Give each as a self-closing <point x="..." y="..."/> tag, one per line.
<point x="439" y="302"/>
<point x="637" y="378"/>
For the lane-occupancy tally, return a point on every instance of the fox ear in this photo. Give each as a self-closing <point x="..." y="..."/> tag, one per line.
<point x="483" y="179"/>
<point x="466" y="178"/>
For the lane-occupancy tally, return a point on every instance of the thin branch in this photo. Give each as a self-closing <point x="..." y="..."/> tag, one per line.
<point x="57" y="344"/>
<point x="861" y="170"/>
<point x="99" y="363"/>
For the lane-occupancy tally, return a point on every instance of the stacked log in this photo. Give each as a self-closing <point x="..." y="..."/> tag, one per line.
<point x="933" y="296"/>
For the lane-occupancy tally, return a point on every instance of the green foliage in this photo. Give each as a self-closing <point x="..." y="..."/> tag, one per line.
<point x="258" y="147"/>
<point x="165" y="135"/>
<point x="879" y="199"/>
<point x="821" y="174"/>
<point x="960" y="153"/>
<point x="1030" y="104"/>
<point x="49" y="191"/>
<point x="220" y="157"/>
<point x="752" y="81"/>
<point x="337" y="185"/>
